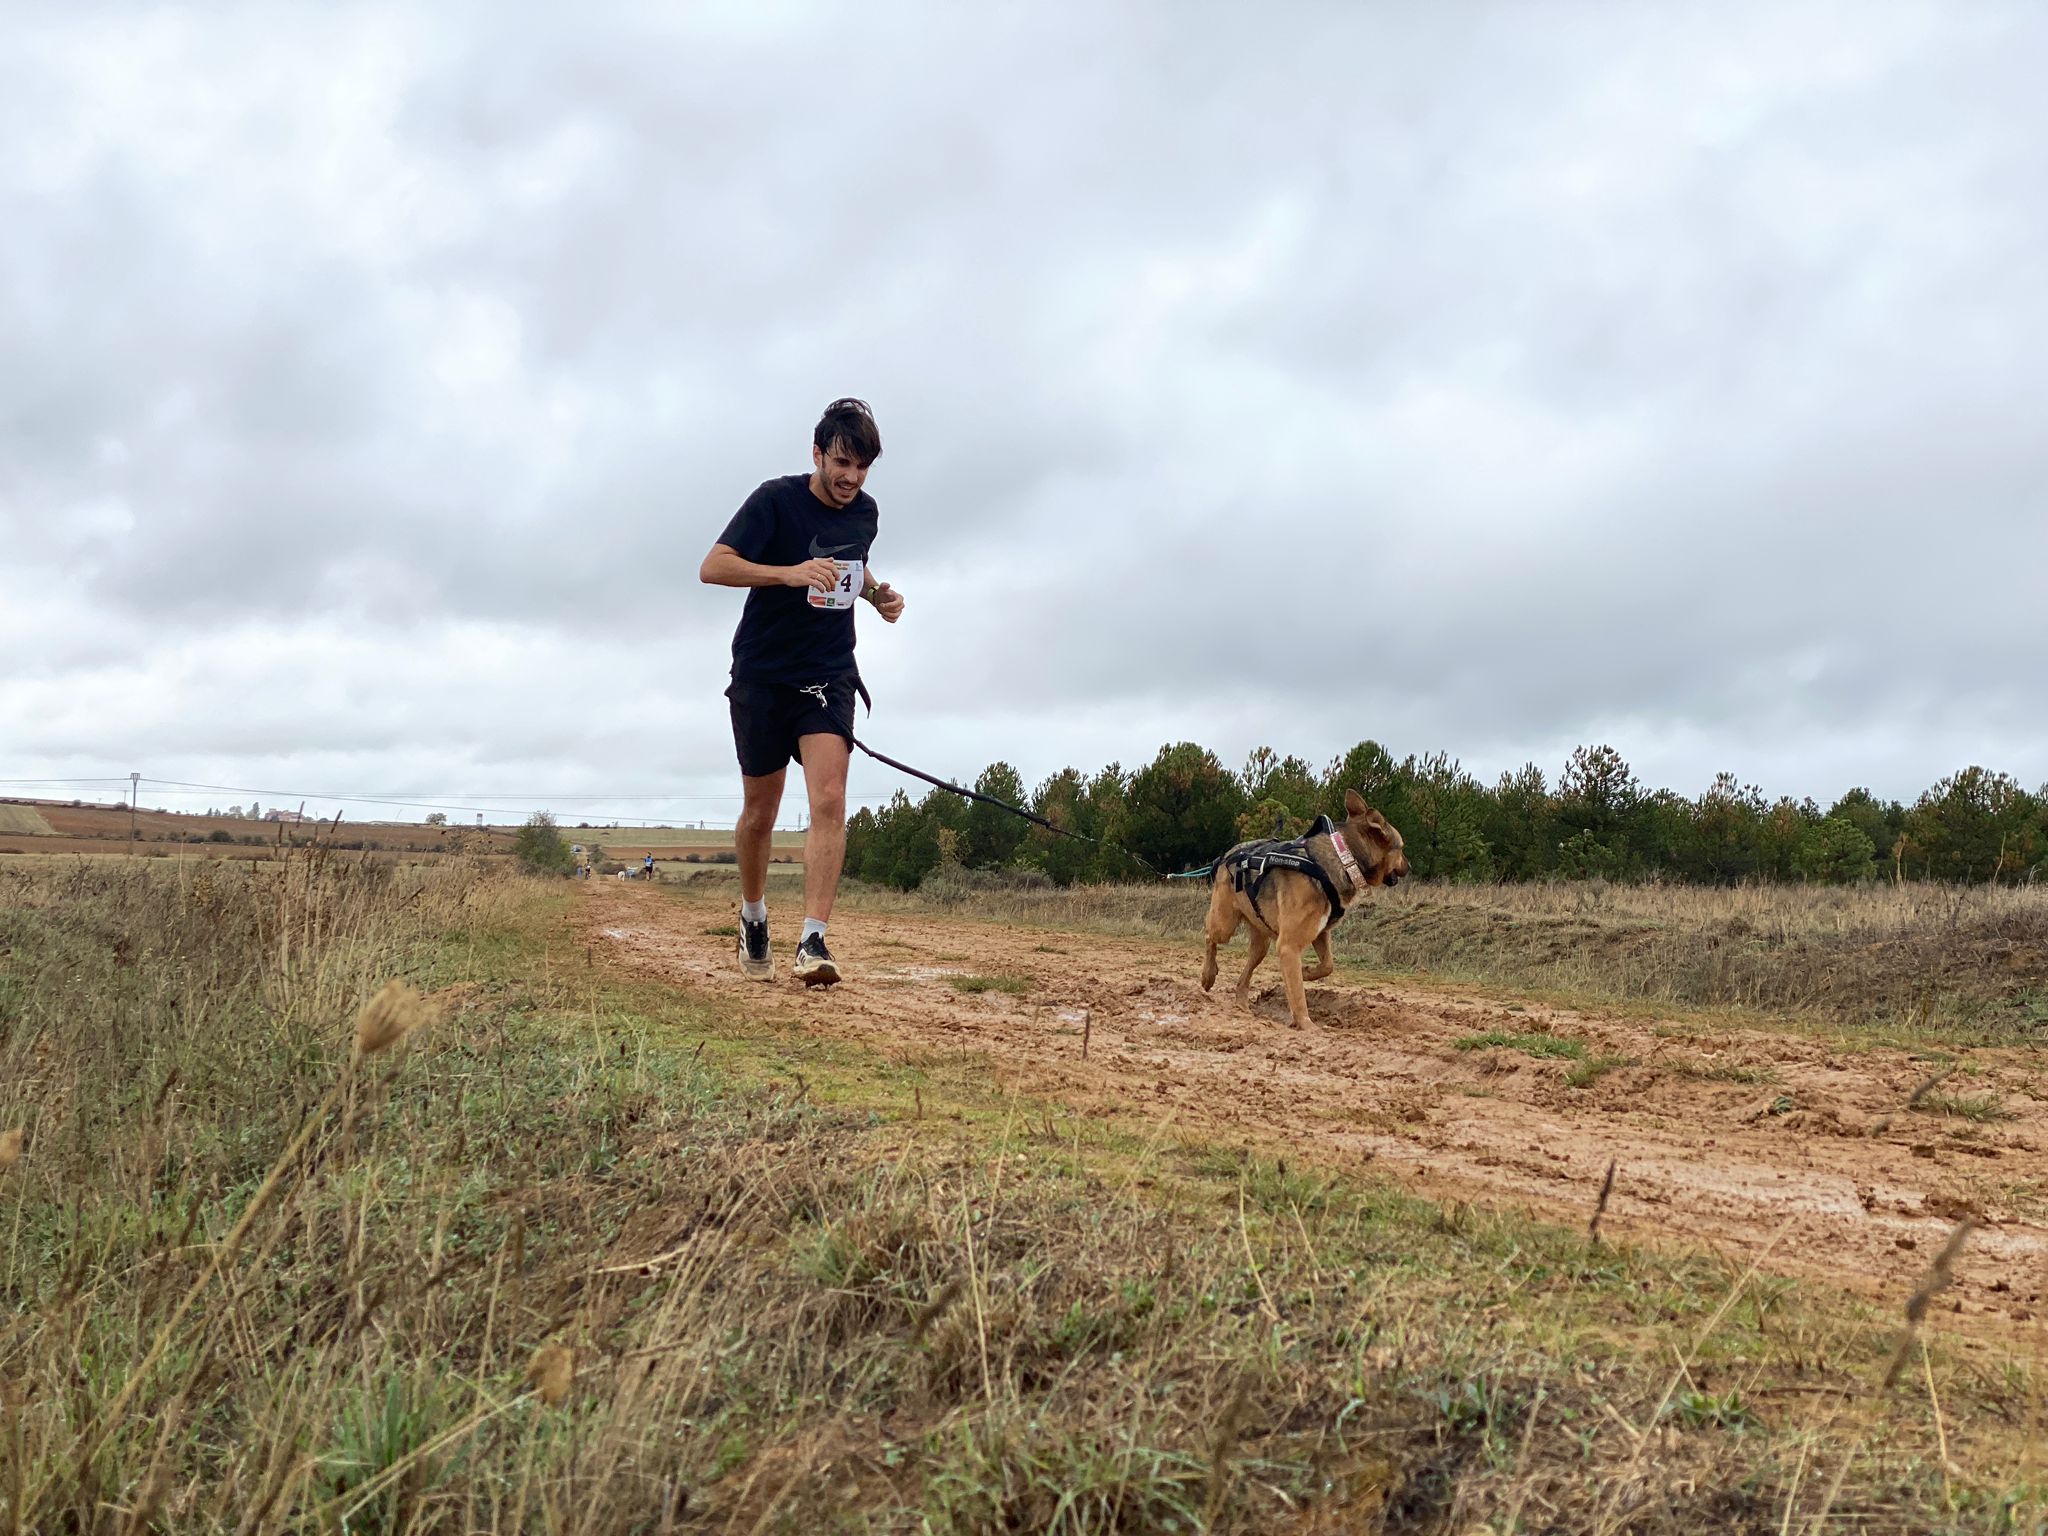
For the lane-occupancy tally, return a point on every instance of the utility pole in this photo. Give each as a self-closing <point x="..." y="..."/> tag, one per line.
<point x="134" y="793"/>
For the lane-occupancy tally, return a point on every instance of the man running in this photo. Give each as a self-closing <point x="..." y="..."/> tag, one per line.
<point x="801" y="543"/>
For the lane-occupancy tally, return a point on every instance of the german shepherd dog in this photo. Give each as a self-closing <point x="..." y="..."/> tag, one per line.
<point x="1289" y="908"/>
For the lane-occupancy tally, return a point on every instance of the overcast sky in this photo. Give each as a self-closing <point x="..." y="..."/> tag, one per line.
<point x="1492" y="378"/>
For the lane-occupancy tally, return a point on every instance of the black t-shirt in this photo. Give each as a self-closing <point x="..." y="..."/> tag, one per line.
<point x="784" y="635"/>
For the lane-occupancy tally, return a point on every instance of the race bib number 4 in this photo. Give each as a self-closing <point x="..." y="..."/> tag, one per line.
<point x="852" y="577"/>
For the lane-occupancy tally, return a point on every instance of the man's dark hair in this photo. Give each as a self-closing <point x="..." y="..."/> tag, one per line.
<point x="850" y="422"/>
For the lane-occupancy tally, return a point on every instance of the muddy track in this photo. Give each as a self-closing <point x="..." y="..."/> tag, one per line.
<point x="1719" y="1138"/>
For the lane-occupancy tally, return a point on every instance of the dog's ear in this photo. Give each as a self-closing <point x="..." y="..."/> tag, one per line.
<point x="1354" y="803"/>
<point x="1386" y="843"/>
<point x="1378" y="835"/>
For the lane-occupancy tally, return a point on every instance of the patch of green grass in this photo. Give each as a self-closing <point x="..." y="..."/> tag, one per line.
<point x="1721" y="1071"/>
<point x="1025" y="1475"/>
<point x="378" y="1431"/>
<point x="1980" y="1107"/>
<point x="1706" y="1410"/>
<point x="722" y="931"/>
<point x="1276" y="1189"/>
<point x="1593" y="1068"/>
<point x="732" y="1453"/>
<point x="2027" y="1197"/>
<point x="1561" y="1047"/>
<point x="1009" y="984"/>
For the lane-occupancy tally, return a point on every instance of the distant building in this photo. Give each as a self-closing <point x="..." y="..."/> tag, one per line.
<point x="276" y="815"/>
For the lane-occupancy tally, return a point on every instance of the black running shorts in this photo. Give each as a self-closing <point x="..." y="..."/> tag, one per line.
<point x="767" y="719"/>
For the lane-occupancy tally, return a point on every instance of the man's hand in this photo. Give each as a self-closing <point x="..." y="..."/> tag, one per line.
<point x="819" y="575"/>
<point x="888" y="602"/>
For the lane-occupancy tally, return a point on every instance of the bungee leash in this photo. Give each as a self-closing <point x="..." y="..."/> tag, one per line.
<point x="1018" y="810"/>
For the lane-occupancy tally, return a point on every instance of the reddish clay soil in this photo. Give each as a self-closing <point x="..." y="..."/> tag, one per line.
<point x="1820" y="1143"/>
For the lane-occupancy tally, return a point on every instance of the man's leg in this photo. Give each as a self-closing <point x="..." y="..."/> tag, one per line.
<point x="755" y="834"/>
<point x="825" y="757"/>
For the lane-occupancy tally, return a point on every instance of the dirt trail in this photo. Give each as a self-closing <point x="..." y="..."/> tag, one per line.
<point x="1718" y="1137"/>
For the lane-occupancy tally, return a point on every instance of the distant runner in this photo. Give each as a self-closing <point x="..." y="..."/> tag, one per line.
<point x="801" y="544"/>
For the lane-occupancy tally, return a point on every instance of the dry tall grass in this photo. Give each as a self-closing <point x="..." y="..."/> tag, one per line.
<point x="288" y="1251"/>
<point x="1916" y="957"/>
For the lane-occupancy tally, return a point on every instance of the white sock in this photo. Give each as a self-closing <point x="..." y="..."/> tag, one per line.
<point x="811" y="925"/>
<point x="755" y="911"/>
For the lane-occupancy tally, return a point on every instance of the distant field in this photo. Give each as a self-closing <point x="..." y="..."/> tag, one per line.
<point x="658" y="838"/>
<point x="90" y="822"/>
<point x="79" y="826"/>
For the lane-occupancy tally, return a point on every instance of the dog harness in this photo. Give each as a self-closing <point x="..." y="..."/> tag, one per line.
<point x="1251" y="863"/>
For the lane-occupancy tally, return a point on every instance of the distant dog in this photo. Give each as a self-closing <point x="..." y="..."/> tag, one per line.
<point x="1290" y="894"/>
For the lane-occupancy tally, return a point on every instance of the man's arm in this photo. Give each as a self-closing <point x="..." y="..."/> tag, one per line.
<point x="887" y="600"/>
<point x="727" y="567"/>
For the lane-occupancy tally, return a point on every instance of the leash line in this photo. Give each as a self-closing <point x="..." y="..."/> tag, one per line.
<point x="1017" y="810"/>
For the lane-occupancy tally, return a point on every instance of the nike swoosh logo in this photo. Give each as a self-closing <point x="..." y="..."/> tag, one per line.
<point x="818" y="553"/>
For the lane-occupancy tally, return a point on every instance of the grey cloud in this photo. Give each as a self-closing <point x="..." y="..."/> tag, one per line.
<point x="1670" y="375"/>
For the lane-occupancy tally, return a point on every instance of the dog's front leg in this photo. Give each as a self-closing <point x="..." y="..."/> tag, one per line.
<point x="1290" y="979"/>
<point x="1324" y="964"/>
<point x="1244" y="982"/>
<point x="1219" y="927"/>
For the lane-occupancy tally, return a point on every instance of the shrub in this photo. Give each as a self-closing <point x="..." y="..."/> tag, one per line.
<point x="541" y="849"/>
<point x="1835" y="851"/>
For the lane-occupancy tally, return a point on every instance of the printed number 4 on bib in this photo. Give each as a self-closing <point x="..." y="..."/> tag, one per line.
<point x="845" y="590"/>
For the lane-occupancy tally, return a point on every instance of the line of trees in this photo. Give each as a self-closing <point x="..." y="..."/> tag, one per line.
<point x="1597" y="819"/>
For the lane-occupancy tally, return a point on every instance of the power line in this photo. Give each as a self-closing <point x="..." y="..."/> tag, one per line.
<point x="181" y="789"/>
<point x="62" y="783"/>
